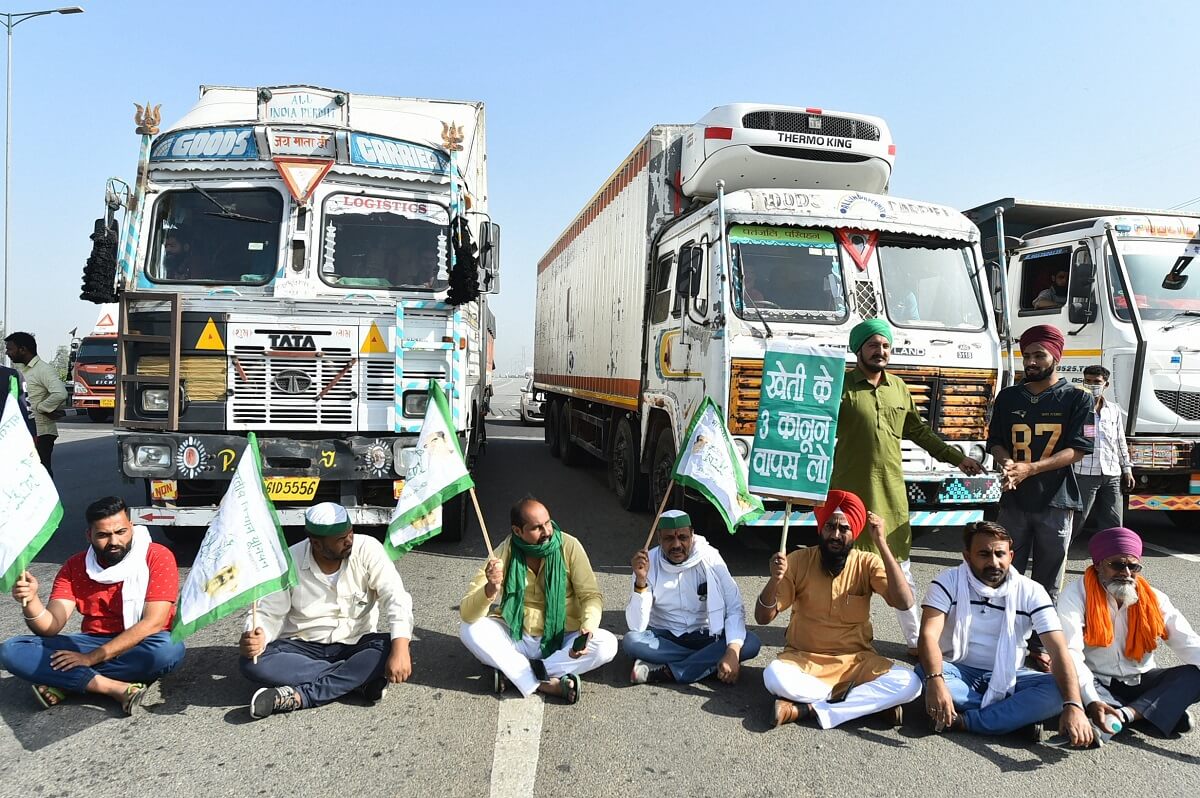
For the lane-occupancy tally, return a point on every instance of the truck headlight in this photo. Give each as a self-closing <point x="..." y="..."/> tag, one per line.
<point x="977" y="452"/>
<point x="742" y="447"/>
<point x="415" y="403"/>
<point x="404" y="455"/>
<point x="154" y="400"/>
<point x="148" y="459"/>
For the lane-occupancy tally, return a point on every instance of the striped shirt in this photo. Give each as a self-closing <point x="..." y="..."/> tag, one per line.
<point x="1110" y="455"/>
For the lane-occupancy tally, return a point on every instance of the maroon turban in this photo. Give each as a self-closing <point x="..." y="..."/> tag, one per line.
<point x="1048" y="336"/>
<point x="846" y="503"/>
<point x="1113" y="542"/>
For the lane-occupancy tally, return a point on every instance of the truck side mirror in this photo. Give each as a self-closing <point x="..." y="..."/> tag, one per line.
<point x="1081" y="302"/>
<point x="489" y="257"/>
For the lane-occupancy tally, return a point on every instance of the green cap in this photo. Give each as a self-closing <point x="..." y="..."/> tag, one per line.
<point x="674" y="519"/>
<point x="326" y="519"/>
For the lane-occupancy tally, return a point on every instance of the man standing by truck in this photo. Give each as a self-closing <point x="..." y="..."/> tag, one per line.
<point x="1103" y="473"/>
<point x="47" y="394"/>
<point x="1036" y="435"/>
<point x="877" y="412"/>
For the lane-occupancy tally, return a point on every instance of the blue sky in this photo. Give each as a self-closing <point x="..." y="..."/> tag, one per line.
<point x="1067" y="101"/>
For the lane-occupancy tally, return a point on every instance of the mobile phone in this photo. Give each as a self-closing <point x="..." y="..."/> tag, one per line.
<point x="580" y="642"/>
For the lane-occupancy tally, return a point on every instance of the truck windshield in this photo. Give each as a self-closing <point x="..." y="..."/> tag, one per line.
<point x="1148" y="263"/>
<point x="97" y="351"/>
<point x="787" y="273"/>
<point x="929" y="283"/>
<point x="385" y="242"/>
<point x="215" y="236"/>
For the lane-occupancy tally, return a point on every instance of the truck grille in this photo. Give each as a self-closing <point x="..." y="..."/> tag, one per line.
<point x="792" y="122"/>
<point x="957" y="400"/>
<point x="380" y="376"/>
<point x="282" y="392"/>
<point x="1185" y="404"/>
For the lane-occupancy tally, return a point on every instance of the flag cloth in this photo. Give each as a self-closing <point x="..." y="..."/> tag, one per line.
<point x="708" y="464"/>
<point x="243" y="556"/>
<point x="29" y="507"/>
<point x="437" y="473"/>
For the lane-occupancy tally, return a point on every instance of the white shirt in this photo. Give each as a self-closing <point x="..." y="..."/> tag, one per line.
<point x="320" y="612"/>
<point x="1110" y="454"/>
<point x="1106" y="664"/>
<point x="674" y="603"/>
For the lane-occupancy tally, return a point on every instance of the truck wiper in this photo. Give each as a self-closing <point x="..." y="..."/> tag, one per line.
<point x="1170" y="327"/>
<point x="226" y="212"/>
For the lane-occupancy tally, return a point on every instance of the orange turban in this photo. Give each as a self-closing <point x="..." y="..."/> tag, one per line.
<point x="846" y="503"/>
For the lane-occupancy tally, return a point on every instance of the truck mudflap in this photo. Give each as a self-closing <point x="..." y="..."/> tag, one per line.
<point x="288" y="516"/>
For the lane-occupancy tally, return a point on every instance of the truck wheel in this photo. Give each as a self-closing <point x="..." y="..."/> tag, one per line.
<point x="550" y="431"/>
<point x="568" y="452"/>
<point x="99" y="414"/>
<point x="625" y="468"/>
<point x="454" y="518"/>
<point x="1185" y="519"/>
<point x="660" y="470"/>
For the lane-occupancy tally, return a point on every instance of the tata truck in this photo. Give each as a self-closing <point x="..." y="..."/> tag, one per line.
<point x="1130" y="303"/>
<point x="298" y="262"/>
<point x="758" y="223"/>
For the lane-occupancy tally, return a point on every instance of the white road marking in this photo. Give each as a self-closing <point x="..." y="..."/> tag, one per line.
<point x="1164" y="550"/>
<point x="518" y="744"/>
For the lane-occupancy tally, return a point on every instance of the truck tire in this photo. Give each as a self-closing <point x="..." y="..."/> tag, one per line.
<point x="660" y="471"/>
<point x="99" y="414"/>
<point x="454" y="518"/>
<point x="568" y="452"/>
<point x="625" y="468"/>
<point x="550" y="431"/>
<point x="1188" y="520"/>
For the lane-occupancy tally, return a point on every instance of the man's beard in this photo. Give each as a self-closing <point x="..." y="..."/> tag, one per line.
<point x="110" y="559"/>
<point x="833" y="561"/>
<point x="1037" y="373"/>
<point x="1124" y="592"/>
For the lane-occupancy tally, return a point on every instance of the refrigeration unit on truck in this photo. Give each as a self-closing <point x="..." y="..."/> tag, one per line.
<point x="668" y="286"/>
<point x="298" y="262"/>
<point x="1151" y="345"/>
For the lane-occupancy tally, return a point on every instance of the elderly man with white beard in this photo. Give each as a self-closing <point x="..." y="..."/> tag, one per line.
<point x="1113" y="620"/>
<point x="685" y="613"/>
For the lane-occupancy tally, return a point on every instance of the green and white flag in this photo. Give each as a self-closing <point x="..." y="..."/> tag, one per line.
<point x="243" y="557"/>
<point x="29" y="507"/>
<point x="708" y="464"/>
<point x="435" y="474"/>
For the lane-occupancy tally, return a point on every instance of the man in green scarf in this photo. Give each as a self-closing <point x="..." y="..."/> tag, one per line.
<point x="532" y="612"/>
<point x="878" y="412"/>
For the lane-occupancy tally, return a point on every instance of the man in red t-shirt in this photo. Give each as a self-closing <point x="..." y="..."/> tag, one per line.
<point x="125" y="588"/>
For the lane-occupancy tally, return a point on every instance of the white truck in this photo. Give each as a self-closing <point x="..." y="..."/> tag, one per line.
<point x="298" y="262"/>
<point x="668" y="286"/>
<point x="1151" y="346"/>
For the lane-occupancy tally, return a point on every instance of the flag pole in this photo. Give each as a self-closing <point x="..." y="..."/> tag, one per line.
<point x="487" y="541"/>
<point x="254" y="623"/>
<point x="658" y="516"/>
<point x="25" y="601"/>
<point x="787" y="518"/>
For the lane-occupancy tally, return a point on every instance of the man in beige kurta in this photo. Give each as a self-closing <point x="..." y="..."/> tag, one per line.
<point x="829" y="668"/>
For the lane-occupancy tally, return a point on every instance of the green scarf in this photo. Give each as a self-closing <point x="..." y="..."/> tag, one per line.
<point x="554" y="582"/>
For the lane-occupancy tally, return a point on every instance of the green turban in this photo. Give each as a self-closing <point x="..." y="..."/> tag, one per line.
<point x="864" y="330"/>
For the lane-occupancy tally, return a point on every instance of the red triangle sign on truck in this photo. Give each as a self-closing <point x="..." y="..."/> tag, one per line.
<point x="302" y="175"/>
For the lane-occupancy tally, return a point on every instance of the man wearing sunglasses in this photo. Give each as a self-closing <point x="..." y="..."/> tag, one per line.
<point x="1113" y="620"/>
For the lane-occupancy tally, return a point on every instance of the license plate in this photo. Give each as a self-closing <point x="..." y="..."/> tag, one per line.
<point x="109" y="402"/>
<point x="292" y="489"/>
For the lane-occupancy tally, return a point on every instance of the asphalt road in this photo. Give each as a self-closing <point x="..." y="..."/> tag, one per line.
<point x="444" y="733"/>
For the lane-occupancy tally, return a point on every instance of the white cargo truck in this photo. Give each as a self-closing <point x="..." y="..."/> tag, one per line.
<point x="1151" y="345"/>
<point x="298" y="262"/>
<point x="759" y="222"/>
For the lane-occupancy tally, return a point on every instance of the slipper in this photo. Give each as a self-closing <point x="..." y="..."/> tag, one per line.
<point x="48" y="696"/>
<point x="499" y="681"/>
<point x="134" y="695"/>
<point x="569" y="688"/>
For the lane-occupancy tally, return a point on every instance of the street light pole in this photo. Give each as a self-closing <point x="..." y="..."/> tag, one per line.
<point x="11" y="21"/>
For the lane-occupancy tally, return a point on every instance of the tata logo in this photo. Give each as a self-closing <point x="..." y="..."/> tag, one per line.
<point x="292" y="382"/>
<point x="293" y="342"/>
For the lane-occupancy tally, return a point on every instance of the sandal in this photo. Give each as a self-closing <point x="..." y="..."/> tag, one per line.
<point x="48" y="696"/>
<point x="499" y="681"/>
<point x="134" y="694"/>
<point x="569" y="688"/>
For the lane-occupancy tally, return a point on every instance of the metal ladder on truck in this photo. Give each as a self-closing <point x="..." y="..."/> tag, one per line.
<point x="129" y="384"/>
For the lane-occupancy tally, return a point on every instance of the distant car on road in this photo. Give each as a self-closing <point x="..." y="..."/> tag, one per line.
<point x="531" y="403"/>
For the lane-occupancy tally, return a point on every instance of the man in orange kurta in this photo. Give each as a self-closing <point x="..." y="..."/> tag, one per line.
<point x="829" y="669"/>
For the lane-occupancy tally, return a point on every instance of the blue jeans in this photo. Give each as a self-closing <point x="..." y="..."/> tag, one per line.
<point x="28" y="657"/>
<point x="691" y="656"/>
<point x="320" y="672"/>
<point x="1034" y="698"/>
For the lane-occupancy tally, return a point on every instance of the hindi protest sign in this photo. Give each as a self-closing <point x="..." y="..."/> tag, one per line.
<point x="708" y="464"/>
<point x="29" y="507"/>
<point x="801" y="393"/>
<point x="243" y="557"/>
<point x="436" y="474"/>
